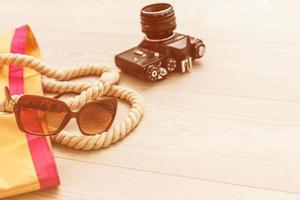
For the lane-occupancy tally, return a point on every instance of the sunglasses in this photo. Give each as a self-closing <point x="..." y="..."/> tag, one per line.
<point x="46" y="116"/>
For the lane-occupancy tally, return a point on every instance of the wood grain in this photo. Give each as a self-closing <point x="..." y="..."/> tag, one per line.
<point x="228" y="130"/>
<point x="93" y="181"/>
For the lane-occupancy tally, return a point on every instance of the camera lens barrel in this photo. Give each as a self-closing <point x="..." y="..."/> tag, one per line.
<point x="158" y="20"/>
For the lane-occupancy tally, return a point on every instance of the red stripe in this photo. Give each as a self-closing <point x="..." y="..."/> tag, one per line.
<point x="41" y="153"/>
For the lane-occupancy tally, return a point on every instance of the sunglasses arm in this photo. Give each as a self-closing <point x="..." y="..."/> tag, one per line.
<point x="64" y="93"/>
<point x="7" y="95"/>
<point x="7" y="104"/>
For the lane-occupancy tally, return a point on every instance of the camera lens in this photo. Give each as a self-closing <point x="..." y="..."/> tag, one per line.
<point x="158" y="20"/>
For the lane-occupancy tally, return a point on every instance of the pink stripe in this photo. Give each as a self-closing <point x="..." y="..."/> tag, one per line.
<point x="43" y="160"/>
<point x="15" y="71"/>
<point x="41" y="153"/>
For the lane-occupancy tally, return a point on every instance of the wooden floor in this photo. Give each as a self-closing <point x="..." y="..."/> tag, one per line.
<point x="230" y="129"/>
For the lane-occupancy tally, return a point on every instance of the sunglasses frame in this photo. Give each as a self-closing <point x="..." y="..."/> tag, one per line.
<point x="70" y="114"/>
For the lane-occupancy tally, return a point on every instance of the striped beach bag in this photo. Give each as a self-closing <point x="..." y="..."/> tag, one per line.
<point x="26" y="161"/>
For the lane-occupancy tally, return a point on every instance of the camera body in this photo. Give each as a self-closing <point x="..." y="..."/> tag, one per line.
<point x="153" y="60"/>
<point x="162" y="51"/>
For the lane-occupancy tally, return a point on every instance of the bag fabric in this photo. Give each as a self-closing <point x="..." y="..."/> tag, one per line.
<point x="26" y="161"/>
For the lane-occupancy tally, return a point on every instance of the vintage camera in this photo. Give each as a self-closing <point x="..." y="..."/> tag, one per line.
<point x="162" y="51"/>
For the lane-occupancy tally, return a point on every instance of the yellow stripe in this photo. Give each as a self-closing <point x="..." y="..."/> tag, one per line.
<point x="5" y="42"/>
<point x="32" y="79"/>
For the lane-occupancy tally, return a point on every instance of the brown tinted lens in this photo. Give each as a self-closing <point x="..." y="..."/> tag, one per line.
<point x="41" y="116"/>
<point x="96" y="117"/>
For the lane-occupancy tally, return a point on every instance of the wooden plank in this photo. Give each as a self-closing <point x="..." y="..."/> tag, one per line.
<point x="229" y="139"/>
<point x="90" y="181"/>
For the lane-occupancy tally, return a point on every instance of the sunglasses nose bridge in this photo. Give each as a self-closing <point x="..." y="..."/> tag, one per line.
<point x="73" y="114"/>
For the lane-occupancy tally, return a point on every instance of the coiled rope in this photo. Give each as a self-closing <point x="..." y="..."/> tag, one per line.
<point x="54" y="80"/>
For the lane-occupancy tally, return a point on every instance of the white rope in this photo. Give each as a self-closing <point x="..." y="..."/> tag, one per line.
<point x="88" y="91"/>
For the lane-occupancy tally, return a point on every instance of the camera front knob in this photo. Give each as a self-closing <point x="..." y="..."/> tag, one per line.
<point x="155" y="73"/>
<point x="152" y="73"/>
<point x="171" y="64"/>
<point x="162" y="72"/>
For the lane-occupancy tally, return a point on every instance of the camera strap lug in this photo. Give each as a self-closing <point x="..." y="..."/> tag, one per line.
<point x="186" y="65"/>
